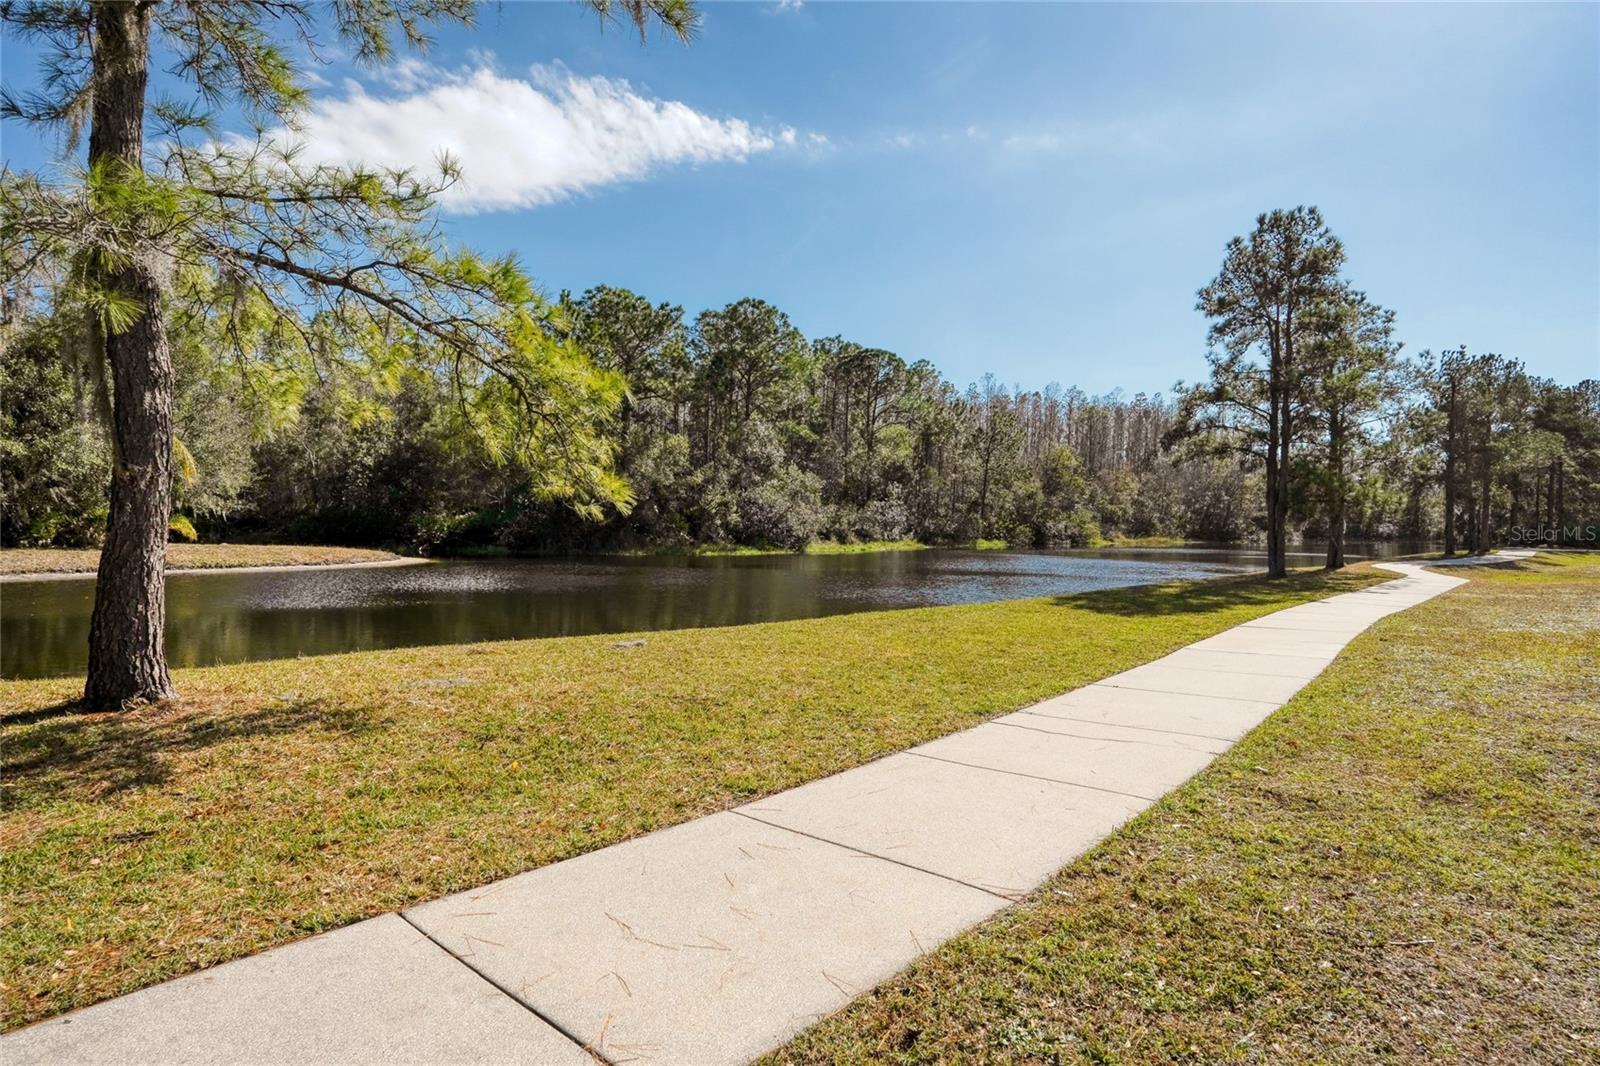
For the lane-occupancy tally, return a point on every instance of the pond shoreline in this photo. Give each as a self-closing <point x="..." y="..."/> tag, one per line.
<point x="90" y="575"/>
<point x="256" y="616"/>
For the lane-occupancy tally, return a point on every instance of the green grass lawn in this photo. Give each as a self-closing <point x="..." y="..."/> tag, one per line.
<point x="834" y="547"/>
<point x="1402" y="865"/>
<point x="282" y="798"/>
<point x="816" y="547"/>
<point x="190" y="557"/>
<point x="1148" y="542"/>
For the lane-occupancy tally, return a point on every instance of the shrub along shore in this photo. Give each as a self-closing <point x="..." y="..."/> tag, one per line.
<point x="282" y="798"/>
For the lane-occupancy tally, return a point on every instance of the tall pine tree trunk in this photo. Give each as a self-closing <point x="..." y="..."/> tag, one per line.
<point x="1335" y="558"/>
<point x="1558" y="492"/>
<point x="127" y="653"/>
<point x="1282" y="567"/>
<point x="1486" y="494"/>
<point x="1514" y="518"/>
<point x="1450" y="472"/>
<point x="1275" y="507"/>
<point x="1282" y="374"/>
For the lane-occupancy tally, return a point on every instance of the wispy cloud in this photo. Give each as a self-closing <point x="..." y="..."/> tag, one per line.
<point x="526" y="141"/>
<point x="1032" y="142"/>
<point x="1172" y="133"/>
<point x="907" y="141"/>
<point x="1110" y="137"/>
<point x="1152" y="136"/>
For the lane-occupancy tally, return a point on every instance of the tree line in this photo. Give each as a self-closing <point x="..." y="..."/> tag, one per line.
<point x="733" y="428"/>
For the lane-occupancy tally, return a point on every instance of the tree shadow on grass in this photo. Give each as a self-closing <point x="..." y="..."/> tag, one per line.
<point x="1217" y="594"/>
<point x="1460" y="568"/>
<point x="40" y="714"/>
<point x="104" y="754"/>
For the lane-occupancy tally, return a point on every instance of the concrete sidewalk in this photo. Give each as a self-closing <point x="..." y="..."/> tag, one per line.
<point x="718" y="939"/>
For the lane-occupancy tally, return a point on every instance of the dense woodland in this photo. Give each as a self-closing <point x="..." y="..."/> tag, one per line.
<point x="736" y="429"/>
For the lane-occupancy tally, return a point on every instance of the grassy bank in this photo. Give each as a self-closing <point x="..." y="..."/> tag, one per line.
<point x="816" y="547"/>
<point x="1149" y="542"/>
<point x="1401" y="865"/>
<point x="281" y="798"/>
<point x="831" y="547"/>
<point x="189" y="557"/>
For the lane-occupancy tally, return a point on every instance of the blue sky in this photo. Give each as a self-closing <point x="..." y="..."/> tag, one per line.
<point x="1032" y="190"/>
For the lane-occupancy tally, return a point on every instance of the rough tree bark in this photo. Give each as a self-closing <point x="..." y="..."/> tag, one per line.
<point x="1279" y="439"/>
<point x="1450" y="470"/>
<point x="1558" y="493"/>
<point x="1486" y="496"/>
<point x="1277" y="503"/>
<point x="1285" y="437"/>
<point x="1336" y="505"/>
<point x="1275" y="531"/>
<point x="127" y="653"/>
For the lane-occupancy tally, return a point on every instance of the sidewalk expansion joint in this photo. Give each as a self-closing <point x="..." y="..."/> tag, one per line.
<point x="583" y="1045"/>
<point x="1085" y="736"/>
<point x="1241" y="673"/>
<point x="1120" y="725"/>
<point x="1278" y="654"/>
<point x="1036" y="777"/>
<point x="1197" y="695"/>
<point x="1326" y="633"/>
<point x="1008" y="897"/>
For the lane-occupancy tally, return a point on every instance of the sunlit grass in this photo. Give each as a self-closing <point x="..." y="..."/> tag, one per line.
<point x="833" y="547"/>
<point x="816" y="547"/>
<point x="281" y="798"/>
<point x="1146" y="542"/>
<point x="1403" y="864"/>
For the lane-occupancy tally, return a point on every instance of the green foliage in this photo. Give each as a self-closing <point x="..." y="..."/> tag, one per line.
<point x="55" y="461"/>
<point x="54" y="458"/>
<point x="182" y="529"/>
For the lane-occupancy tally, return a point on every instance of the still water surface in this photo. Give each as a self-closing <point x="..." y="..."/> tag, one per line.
<point x="222" y="617"/>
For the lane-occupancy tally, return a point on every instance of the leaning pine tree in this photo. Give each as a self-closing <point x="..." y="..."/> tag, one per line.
<point x="334" y="272"/>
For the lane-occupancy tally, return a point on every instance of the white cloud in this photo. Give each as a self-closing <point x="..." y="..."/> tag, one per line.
<point x="524" y="142"/>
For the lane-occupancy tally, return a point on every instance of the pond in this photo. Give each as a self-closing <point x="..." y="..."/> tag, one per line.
<point x="222" y="618"/>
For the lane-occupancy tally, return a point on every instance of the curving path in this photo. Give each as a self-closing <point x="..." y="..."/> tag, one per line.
<point x="718" y="939"/>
